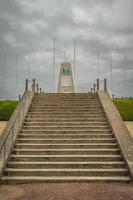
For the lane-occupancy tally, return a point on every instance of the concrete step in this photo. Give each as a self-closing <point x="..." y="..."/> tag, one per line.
<point x="65" y="103"/>
<point x="93" y="104"/>
<point x="67" y="158"/>
<point x="78" y="128"/>
<point x="64" y="115"/>
<point x="66" y="151"/>
<point x="66" y="95"/>
<point x="66" y="172"/>
<point x="65" y="136"/>
<point x="62" y="165"/>
<point x="65" y="110"/>
<point x="66" y="100"/>
<point x="68" y="122"/>
<point x="64" y="123"/>
<point x="63" y="179"/>
<point x="72" y="114"/>
<point x="67" y="141"/>
<point x="61" y="132"/>
<point x="68" y="179"/>
<point x="66" y="146"/>
<point x="70" y="119"/>
<point x="54" y="106"/>
<point x="35" y="108"/>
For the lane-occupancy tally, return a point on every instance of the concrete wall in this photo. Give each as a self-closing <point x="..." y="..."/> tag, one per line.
<point x="119" y="128"/>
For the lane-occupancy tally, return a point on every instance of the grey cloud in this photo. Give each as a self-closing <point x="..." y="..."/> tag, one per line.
<point x="28" y="27"/>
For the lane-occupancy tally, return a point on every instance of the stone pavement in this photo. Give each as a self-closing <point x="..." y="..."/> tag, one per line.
<point x="75" y="191"/>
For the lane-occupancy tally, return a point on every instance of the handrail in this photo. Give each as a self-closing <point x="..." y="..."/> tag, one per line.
<point x="121" y="132"/>
<point x="11" y="131"/>
<point x="12" y="120"/>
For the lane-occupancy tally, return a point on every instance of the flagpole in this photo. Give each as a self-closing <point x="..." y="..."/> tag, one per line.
<point x="74" y="59"/>
<point x="125" y="74"/>
<point x="111" y="71"/>
<point x="16" y="81"/>
<point x="54" y="46"/>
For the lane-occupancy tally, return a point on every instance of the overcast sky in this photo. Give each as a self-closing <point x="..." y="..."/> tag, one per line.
<point x="27" y="27"/>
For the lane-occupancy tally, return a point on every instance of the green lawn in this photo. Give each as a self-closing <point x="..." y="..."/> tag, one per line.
<point x="6" y="109"/>
<point x="125" y="108"/>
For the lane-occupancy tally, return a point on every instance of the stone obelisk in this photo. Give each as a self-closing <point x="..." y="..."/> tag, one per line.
<point x="66" y="84"/>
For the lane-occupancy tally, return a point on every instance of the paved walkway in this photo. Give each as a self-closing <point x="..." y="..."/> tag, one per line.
<point x="67" y="192"/>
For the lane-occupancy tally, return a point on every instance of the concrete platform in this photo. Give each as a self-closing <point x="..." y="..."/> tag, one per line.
<point x="67" y="191"/>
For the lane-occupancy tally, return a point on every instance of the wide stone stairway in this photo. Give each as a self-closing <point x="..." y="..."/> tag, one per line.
<point x="66" y="138"/>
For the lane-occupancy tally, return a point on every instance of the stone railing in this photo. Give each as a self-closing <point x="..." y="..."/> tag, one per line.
<point x="11" y="131"/>
<point x="119" y="128"/>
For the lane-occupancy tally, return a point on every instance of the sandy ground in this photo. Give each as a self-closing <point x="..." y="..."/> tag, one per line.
<point x="69" y="191"/>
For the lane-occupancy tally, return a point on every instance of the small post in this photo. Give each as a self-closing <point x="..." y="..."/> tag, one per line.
<point x="37" y="88"/>
<point x="19" y="97"/>
<point x="113" y="96"/>
<point x="94" y="88"/>
<point x="91" y="90"/>
<point x="33" y="85"/>
<point x="40" y="90"/>
<point x="105" y="85"/>
<point x="26" y="85"/>
<point x="98" y="84"/>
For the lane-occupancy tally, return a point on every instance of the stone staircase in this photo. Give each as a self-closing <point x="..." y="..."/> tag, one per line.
<point x="66" y="138"/>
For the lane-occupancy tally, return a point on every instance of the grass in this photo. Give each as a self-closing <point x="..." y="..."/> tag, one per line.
<point x="6" y="109"/>
<point x="125" y="108"/>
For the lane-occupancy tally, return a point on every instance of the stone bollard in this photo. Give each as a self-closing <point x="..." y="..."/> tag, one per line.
<point x="37" y="88"/>
<point x="33" y="85"/>
<point x="98" y="84"/>
<point x="19" y="97"/>
<point x="113" y="96"/>
<point x="26" y="85"/>
<point x="94" y="88"/>
<point x="105" y="85"/>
